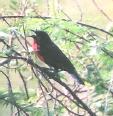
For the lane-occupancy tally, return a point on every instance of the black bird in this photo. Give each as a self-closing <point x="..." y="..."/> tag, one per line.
<point x="49" y="53"/>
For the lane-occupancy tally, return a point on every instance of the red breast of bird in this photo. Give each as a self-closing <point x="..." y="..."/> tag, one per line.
<point x="36" y="49"/>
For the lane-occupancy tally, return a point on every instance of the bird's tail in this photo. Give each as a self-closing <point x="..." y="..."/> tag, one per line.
<point x="76" y="76"/>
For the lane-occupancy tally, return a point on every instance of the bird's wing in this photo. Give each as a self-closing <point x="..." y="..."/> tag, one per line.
<point x="55" y="57"/>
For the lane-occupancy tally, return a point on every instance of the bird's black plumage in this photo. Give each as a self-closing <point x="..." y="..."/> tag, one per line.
<point x="53" y="56"/>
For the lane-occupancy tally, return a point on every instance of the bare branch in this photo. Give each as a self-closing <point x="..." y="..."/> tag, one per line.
<point x="3" y="62"/>
<point x="22" y="16"/>
<point x="96" y="28"/>
<point x="25" y="84"/>
<point x="42" y="71"/>
<point x="80" y="10"/>
<point x="101" y="10"/>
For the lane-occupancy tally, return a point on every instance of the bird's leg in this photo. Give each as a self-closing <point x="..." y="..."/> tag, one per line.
<point x="54" y="71"/>
<point x="50" y="72"/>
<point x="51" y="68"/>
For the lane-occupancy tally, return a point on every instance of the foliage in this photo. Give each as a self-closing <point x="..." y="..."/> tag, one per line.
<point x="89" y="50"/>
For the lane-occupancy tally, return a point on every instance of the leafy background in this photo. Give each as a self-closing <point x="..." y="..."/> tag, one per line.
<point x="89" y="50"/>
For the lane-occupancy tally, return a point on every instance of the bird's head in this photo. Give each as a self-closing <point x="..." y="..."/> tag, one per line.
<point x="41" y="36"/>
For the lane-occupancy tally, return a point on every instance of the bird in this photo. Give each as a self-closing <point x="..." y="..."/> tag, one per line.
<point x="50" y="54"/>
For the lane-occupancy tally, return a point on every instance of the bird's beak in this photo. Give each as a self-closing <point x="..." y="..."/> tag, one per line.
<point x="33" y="31"/>
<point x="32" y="36"/>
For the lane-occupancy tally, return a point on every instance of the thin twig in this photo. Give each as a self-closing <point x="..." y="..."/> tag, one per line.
<point x="3" y="62"/>
<point x="101" y="10"/>
<point x="48" y="112"/>
<point x="80" y="10"/>
<point x="25" y="84"/>
<point x="29" y="61"/>
<point x="25" y="38"/>
<point x="55" y="98"/>
<point x="23" y="16"/>
<point x="107" y="52"/>
<point x="5" y="21"/>
<point x="96" y="28"/>
<point x="12" y="100"/>
<point x="66" y="15"/>
<point x="81" y="37"/>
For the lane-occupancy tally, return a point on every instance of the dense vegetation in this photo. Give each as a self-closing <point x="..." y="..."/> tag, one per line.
<point x="29" y="89"/>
